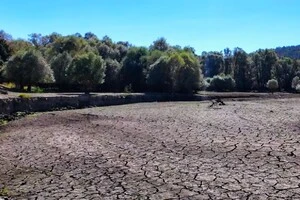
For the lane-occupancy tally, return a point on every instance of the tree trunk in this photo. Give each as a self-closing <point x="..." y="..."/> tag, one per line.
<point x="29" y="88"/>
<point x="21" y="87"/>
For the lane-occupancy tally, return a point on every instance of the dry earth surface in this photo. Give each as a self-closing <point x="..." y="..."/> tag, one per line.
<point x="183" y="150"/>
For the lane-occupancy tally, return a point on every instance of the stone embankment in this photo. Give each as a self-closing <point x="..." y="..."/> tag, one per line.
<point x="13" y="103"/>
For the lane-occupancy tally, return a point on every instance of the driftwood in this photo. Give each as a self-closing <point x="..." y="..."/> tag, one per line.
<point x="217" y="101"/>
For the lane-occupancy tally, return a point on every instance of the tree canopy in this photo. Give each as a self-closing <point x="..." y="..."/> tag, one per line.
<point x="102" y="64"/>
<point x="28" y="68"/>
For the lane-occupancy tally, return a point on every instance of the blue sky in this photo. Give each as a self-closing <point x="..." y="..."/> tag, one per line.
<point x="205" y="25"/>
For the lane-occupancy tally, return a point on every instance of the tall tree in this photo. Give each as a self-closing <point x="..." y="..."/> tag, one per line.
<point x="188" y="75"/>
<point x="284" y="73"/>
<point x="134" y="70"/>
<point x="88" y="69"/>
<point x="90" y="36"/>
<point x="160" y="44"/>
<point x="263" y="62"/>
<point x="38" y="40"/>
<point x="5" y="50"/>
<point x="60" y="65"/>
<point x="228" y="58"/>
<point x="28" y="68"/>
<point x="112" y="71"/>
<point x="5" y="36"/>
<point x="214" y="63"/>
<point x="242" y="71"/>
<point x="161" y="76"/>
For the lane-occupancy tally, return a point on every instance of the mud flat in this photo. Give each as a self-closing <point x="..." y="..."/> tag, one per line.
<point x="171" y="150"/>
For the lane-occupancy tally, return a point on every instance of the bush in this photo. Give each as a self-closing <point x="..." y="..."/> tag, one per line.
<point x="298" y="88"/>
<point x="9" y="85"/>
<point x="220" y="83"/>
<point x="37" y="90"/>
<point x="295" y="82"/>
<point x="272" y="85"/>
<point x="24" y="96"/>
<point x="128" y="89"/>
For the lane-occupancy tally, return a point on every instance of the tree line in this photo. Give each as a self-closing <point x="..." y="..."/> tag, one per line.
<point x="88" y="63"/>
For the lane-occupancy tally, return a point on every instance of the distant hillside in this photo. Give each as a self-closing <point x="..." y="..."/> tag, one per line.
<point x="289" y="51"/>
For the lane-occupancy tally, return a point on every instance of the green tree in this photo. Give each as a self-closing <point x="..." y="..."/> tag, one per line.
<point x="228" y="59"/>
<point x="71" y="44"/>
<point x="272" y="85"/>
<point x="5" y="53"/>
<point x="112" y="71"/>
<point x="298" y="88"/>
<point x="159" y="44"/>
<point x="20" y="45"/>
<point x="188" y="75"/>
<point x="264" y="61"/>
<point x="122" y="49"/>
<point x="28" y="68"/>
<point x="5" y="50"/>
<point x="90" y="36"/>
<point x="161" y="76"/>
<point x="134" y="70"/>
<point x="295" y="82"/>
<point x="284" y="72"/>
<point x="221" y="83"/>
<point x="60" y="65"/>
<point x="106" y="51"/>
<point x="213" y="63"/>
<point x="38" y="40"/>
<point x="5" y="36"/>
<point x="242" y="71"/>
<point x="87" y="69"/>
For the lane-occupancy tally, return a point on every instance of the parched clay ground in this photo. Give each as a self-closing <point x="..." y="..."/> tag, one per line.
<point x="183" y="150"/>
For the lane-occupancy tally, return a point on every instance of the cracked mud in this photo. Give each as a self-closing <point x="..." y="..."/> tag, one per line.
<point x="183" y="150"/>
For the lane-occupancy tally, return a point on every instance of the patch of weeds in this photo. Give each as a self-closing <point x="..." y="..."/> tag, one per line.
<point x="4" y="119"/>
<point x="128" y="88"/>
<point x="4" y="191"/>
<point x="20" y="114"/>
<point x="3" y="122"/>
<point x="37" y="90"/>
<point x="32" y="115"/>
<point x="25" y="96"/>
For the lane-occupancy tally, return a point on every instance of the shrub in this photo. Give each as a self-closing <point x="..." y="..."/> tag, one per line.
<point x="272" y="85"/>
<point x="128" y="89"/>
<point x="9" y="85"/>
<point x="37" y="90"/>
<point x="295" y="82"/>
<point x="298" y="88"/>
<point x="220" y="83"/>
<point x="2" y="123"/>
<point x="207" y="82"/>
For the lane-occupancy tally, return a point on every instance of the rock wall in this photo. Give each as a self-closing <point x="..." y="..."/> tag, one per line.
<point x="10" y="106"/>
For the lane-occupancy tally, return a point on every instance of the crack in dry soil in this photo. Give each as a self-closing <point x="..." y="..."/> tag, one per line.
<point x="156" y="151"/>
